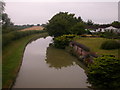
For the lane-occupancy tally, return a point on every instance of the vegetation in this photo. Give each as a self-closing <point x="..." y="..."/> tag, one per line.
<point x="13" y="46"/>
<point x="104" y="73"/>
<point x="12" y="56"/>
<point x="89" y="22"/>
<point x="7" y="25"/>
<point x="2" y="4"/>
<point x="8" y="37"/>
<point x="62" y="23"/>
<point x="111" y="44"/>
<point x="63" y="41"/>
<point x="116" y="24"/>
<point x="78" y="29"/>
<point x="20" y="27"/>
<point x="109" y="35"/>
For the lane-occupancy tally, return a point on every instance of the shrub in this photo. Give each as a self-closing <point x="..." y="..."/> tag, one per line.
<point x="111" y="44"/>
<point x="109" y="35"/>
<point x="63" y="41"/>
<point x="104" y="73"/>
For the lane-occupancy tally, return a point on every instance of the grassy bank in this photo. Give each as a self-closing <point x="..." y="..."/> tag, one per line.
<point x="15" y="35"/>
<point x="12" y="57"/>
<point x="95" y="43"/>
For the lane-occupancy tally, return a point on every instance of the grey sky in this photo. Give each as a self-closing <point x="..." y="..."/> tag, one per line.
<point x="61" y="0"/>
<point x="41" y="12"/>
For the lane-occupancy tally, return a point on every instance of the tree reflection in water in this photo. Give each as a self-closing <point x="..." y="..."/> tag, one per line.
<point x="58" y="58"/>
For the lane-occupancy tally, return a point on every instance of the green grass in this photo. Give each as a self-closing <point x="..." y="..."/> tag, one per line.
<point x="95" y="43"/>
<point x="12" y="58"/>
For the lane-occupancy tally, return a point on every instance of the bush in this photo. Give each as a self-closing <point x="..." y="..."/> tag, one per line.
<point x="63" y="41"/>
<point x="108" y="35"/>
<point x="111" y="44"/>
<point x="104" y="73"/>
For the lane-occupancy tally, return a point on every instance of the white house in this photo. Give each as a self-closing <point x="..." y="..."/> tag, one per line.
<point x="112" y="29"/>
<point x="100" y="30"/>
<point x="109" y="29"/>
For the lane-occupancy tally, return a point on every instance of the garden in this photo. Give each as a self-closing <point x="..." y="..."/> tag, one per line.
<point x="104" y="72"/>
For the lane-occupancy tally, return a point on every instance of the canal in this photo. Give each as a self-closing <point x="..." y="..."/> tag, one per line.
<point x="44" y="66"/>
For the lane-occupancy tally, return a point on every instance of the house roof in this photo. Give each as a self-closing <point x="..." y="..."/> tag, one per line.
<point x="80" y="45"/>
<point x="111" y="27"/>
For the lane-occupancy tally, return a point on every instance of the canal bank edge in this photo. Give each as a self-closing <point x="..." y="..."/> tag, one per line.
<point x="31" y="38"/>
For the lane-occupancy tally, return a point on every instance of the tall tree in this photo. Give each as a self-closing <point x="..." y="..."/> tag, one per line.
<point x="78" y="29"/>
<point x="61" y="24"/>
<point x="2" y="5"/>
<point x="6" y="22"/>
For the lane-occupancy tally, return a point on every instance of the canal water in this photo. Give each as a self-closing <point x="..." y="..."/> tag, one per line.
<point x="44" y="66"/>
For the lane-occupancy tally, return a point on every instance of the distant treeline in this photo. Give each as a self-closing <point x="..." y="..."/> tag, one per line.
<point x="19" y="27"/>
<point x="9" y="37"/>
<point x="8" y="29"/>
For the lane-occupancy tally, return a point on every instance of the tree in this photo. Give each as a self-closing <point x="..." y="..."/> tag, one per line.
<point x="61" y="24"/>
<point x="116" y="24"/>
<point x="80" y="19"/>
<point x="44" y="25"/>
<point x="2" y="5"/>
<point x="6" y="22"/>
<point x="78" y="29"/>
<point x="38" y="24"/>
<point x="89" y="22"/>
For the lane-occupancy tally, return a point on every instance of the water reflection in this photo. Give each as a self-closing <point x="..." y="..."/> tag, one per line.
<point x="47" y="67"/>
<point x="58" y="58"/>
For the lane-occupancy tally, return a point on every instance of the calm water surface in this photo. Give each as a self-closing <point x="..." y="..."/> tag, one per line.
<point x="46" y="67"/>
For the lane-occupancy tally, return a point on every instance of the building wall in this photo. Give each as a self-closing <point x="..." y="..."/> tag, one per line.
<point x="81" y="54"/>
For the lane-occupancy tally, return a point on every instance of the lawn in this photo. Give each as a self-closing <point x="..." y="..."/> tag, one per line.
<point x="12" y="58"/>
<point x="95" y="43"/>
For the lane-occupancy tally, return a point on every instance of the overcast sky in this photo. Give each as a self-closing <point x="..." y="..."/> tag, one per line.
<point x="62" y="0"/>
<point x="39" y="12"/>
